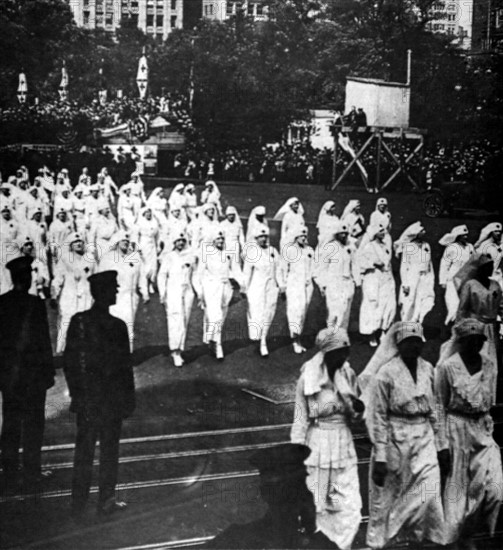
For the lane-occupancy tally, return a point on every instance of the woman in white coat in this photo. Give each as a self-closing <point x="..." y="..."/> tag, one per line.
<point x="382" y="216"/>
<point x="400" y="414"/>
<point x="127" y="208"/>
<point x="457" y="252"/>
<point x="417" y="289"/>
<point x="378" y="306"/>
<point x="174" y="282"/>
<point x="489" y="242"/>
<point x="147" y="233"/>
<point x="211" y="195"/>
<point x="326" y="403"/>
<point x="354" y="219"/>
<point x="256" y="223"/>
<point x="103" y="228"/>
<point x="120" y="258"/>
<point x="298" y="270"/>
<point x="470" y="459"/>
<point x="159" y="205"/>
<point x="327" y="222"/>
<point x="262" y="283"/>
<point x="177" y="198"/>
<point x="70" y="287"/>
<point x="234" y="234"/>
<point x="190" y="203"/>
<point x="337" y="273"/>
<point x="216" y="276"/>
<point x="291" y="215"/>
<point x="206" y="222"/>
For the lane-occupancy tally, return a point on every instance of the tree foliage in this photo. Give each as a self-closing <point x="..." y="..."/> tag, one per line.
<point x="250" y="80"/>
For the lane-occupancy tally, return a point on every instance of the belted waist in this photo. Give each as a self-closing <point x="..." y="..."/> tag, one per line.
<point x="468" y="415"/>
<point x="409" y="418"/>
<point x="338" y="418"/>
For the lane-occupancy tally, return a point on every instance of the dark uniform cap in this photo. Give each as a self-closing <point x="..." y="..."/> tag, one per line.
<point x="286" y="459"/>
<point x="103" y="278"/>
<point x="19" y="265"/>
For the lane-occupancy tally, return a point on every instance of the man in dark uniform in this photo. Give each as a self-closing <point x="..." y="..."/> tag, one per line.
<point x="100" y="377"/>
<point x="26" y="373"/>
<point x="290" y="521"/>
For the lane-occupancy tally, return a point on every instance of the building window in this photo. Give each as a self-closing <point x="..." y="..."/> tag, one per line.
<point x="150" y="20"/>
<point x="231" y="8"/>
<point x="86" y="3"/>
<point x="86" y="18"/>
<point x="110" y="19"/>
<point x="173" y="21"/>
<point x="173" y="5"/>
<point x="209" y="10"/>
<point x="99" y="20"/>
<point x="159" y="20"/>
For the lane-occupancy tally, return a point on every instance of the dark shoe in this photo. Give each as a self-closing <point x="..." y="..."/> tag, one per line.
<point x="110" y="507"/>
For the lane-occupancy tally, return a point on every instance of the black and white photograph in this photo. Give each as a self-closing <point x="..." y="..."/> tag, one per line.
<point x="251" y="277"/>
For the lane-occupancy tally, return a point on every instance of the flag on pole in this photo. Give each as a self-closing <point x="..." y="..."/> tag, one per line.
<point x="102" y="92"/>
<point x="142" y="76"/>
<point x="22" y="89"/>
<point x="63" y="87"/>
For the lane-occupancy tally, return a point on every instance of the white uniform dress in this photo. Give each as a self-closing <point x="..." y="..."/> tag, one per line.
<point x="176" y="293"/>
<point x="378" y="307"/>
<point x="147" y="232"/>
<point x="322" y="423"/>
<point x="213" y="286"/>
<point x="290" y="220"/>
<point x="71" y="288"/>
<point x="234" y="238"/>
<point x="298" y="266"/>
<point x="453" y="259"/>
<point x="9" y="236"/>
<point x="472" y="496"/>
<point x="400" y="418"/>
<point x="416" y="273"/>
<point x="101" y="233"/>
<point x="263" y="281"/>
<point x="128" y="277"/>
<point x="336" y="273"/>
<point x="484" y="304"/>
<point x="126" y="212"/>
<point x="57" y="237"/>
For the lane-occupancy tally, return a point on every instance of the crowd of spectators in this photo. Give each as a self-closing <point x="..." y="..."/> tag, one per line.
<point x="33" y="123"/>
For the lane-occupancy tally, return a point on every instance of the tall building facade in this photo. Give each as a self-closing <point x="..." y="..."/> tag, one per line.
<point x="220" y="10"/>
<point x="155" y="17"/>
<point x="455" y="19"/>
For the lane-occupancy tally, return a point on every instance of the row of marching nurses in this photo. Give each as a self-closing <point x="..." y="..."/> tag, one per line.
<point x="435" y="473"/>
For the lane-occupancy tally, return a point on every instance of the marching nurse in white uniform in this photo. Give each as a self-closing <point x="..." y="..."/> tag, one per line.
<point x="128" y="266"/>
<point x="148" y="243"/>
<point x="176" y="293"/>
<point x="234" y="235"/>
<point x="70" y="287"/>
<point x="417" y="290"/>
<point x="378" y="307"/>
<point x="336" y="274"/>
<point x="298" y="265"/>
<point x="457" y="252"/>
<point x="490" y="243"/>
<point x="262" y="283"/>
<point x="215" y="277"/>
<point x="291" y="215"/>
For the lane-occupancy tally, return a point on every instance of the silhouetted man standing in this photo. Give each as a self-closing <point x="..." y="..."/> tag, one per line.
<point x="100" y="378"/>
<point x="26" y="372"/>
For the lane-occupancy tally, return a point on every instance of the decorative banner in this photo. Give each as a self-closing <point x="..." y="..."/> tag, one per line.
<point x="142" y="76"/>
<point x="22" y="89"/>
<point x="63" y="87"/>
